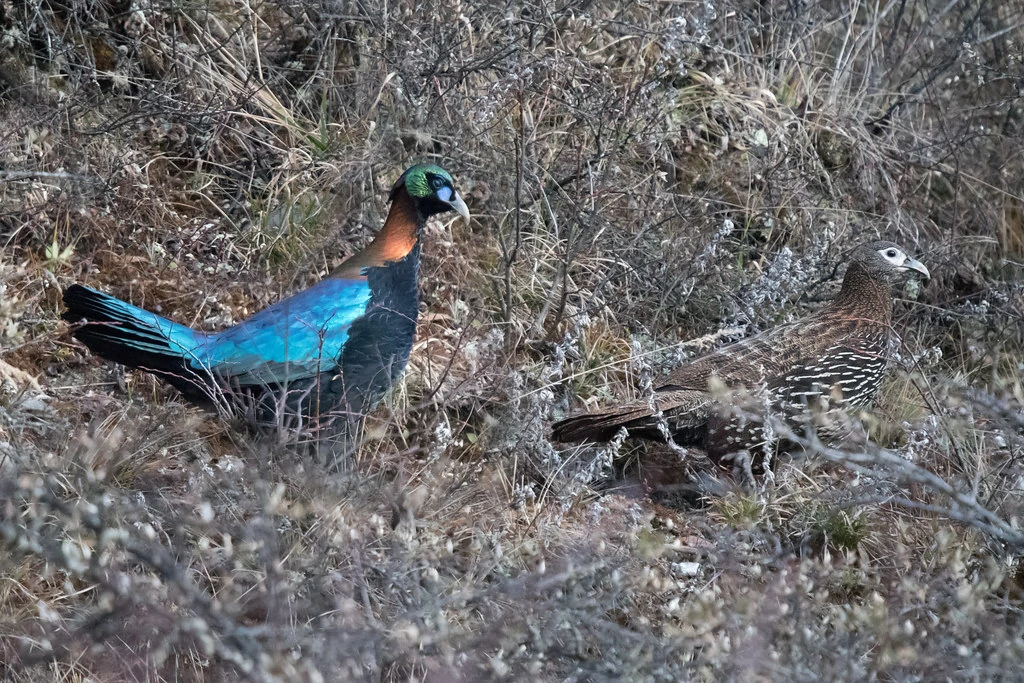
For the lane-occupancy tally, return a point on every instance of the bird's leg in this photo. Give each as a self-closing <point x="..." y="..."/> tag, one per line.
<point x="339" y="439"/>
<point x="742" y="471"/>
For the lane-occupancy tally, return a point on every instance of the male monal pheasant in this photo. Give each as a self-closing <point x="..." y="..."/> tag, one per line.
<point x="332" y="349"/>
<point x="834" y="359"/>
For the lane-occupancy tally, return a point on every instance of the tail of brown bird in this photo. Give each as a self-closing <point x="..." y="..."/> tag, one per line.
<point x="603" y="425"/>
<point x="683" y="413"/>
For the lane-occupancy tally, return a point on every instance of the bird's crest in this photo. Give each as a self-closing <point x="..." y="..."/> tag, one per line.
<point x="419" y="181"/>
<point x="423" y="190"/>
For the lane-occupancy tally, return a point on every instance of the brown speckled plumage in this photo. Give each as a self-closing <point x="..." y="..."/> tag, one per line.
<point x="836" y="357"/>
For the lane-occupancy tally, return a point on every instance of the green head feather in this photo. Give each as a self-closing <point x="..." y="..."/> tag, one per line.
<point x="417" y="180"/>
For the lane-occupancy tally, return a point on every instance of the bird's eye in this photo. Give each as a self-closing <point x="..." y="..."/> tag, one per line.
<point x="437" y="182"/>
<point x="891" y="253"/>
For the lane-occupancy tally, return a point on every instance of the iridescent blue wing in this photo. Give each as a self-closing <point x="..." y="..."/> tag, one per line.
<point x="298" y="337"/>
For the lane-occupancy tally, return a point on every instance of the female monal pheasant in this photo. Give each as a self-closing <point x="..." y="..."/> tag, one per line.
<point x="835" y="358"/>
<point x="334" y="348"/>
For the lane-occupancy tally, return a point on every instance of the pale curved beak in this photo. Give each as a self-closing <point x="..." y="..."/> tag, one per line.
<point x="455" y="201"/>
<point x="918" y="267"/>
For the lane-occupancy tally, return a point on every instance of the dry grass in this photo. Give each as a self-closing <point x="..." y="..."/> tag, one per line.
<point x="648" y="181"/>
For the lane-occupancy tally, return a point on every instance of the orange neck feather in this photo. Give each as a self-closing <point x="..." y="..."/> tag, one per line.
<point x="395" y="240"/>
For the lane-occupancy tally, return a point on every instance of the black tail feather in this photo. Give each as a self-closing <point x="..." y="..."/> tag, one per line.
<point x="105" y="325"/>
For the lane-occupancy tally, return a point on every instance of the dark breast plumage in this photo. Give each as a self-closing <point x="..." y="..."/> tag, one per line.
<point x="801" y="372"/>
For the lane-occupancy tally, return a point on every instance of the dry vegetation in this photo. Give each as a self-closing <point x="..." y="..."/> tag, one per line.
<point x="642" y="175"/>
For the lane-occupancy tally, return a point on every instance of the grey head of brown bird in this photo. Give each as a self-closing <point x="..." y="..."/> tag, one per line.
<point x="888" y="262"/>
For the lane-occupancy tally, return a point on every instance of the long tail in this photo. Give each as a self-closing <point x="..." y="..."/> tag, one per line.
<point x="603" y="425"/>
<point x="131" y="336"/>
<point x="684" y="414"/>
